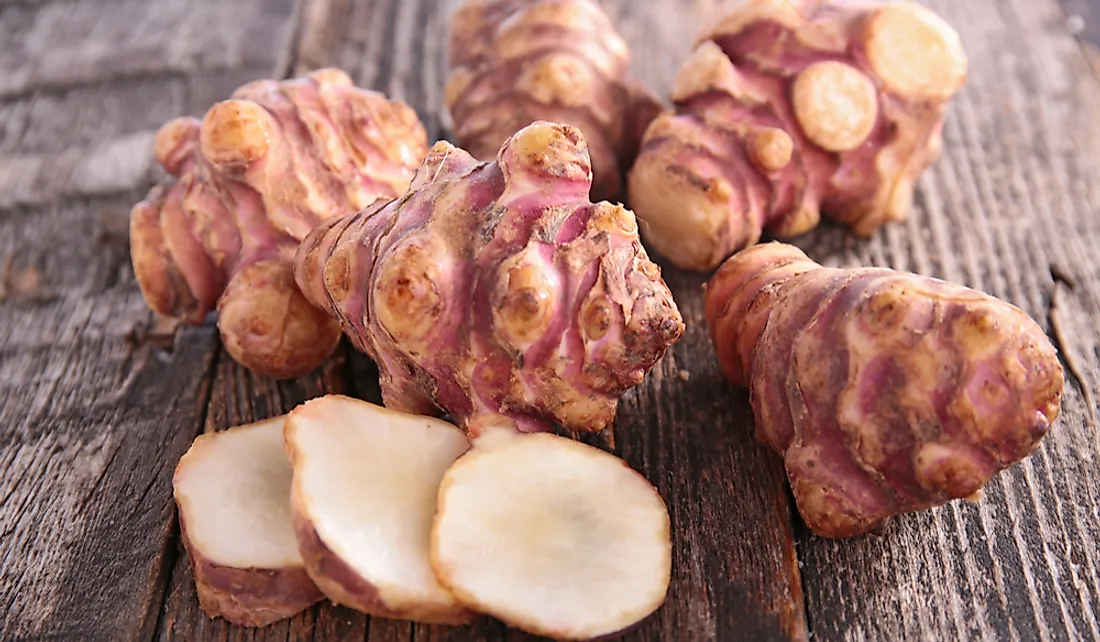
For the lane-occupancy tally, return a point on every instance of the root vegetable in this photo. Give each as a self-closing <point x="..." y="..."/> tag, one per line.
<point x="518" y="61"/>
<point x="256" y="175"/>
<point x="552" y="536"/>
<point x="233" y="493"/>
<point x="364" y="494"/>
<point x="885" y="392"/>
<point x="788" y="108"/>
<point x="497" y="291"/>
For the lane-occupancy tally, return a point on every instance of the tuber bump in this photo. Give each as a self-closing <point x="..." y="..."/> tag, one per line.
<point x="517" y="61"/>
<point x="552" y="536"/>
<point x="885" y="392"/>
<point x="497" y="291"/>
<point x="233" y="493"/>
<point x="256" y="175"/>
<point x="363" y="498"/>
<point x="788" y="108"/>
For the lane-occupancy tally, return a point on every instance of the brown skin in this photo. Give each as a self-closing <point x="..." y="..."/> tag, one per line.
<point x="255" y="176"/>
<point x="249" y="597"/>
<point x="517" y="61"/>
<point x="791" y="108"/>
<point x="344" y="586"/>
<point x="885" y="392"/>
<point x="497" y="291"/>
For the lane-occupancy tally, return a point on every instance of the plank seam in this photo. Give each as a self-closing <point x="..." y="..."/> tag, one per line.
<point x="171" y="553"/>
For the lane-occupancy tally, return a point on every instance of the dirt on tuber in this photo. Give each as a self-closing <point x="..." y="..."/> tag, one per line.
<point x="790" y="108"/>
<point x="884" y="392"/>
<point x="496" y="291"/>
<point x="254" y="177"/>
<point x="517" y="61"/>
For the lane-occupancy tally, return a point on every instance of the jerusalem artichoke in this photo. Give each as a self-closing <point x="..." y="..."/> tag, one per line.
<point x="788" y="108"/>
<point x="363" y="499"/>
<point x="552" y="536"/>
<point x="497" y="291"/>
<point x="233" y="492"/>
<point x="254" y="177"/>
<point x="884" y="392"/>
<point x="517" y="61"/>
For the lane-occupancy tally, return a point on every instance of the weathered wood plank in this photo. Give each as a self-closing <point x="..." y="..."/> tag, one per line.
<point x="54" y="46"/>
<point x="1012" y="203"/>
<point x="94" y="409"/>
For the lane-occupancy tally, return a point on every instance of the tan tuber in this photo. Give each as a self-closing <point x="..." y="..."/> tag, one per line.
<point x="517" y="61"/>
<point x="254" y="177"/>
<point x="885" y="392"/>
<point x="790" y="108"/>
<point x="497" y="291"/>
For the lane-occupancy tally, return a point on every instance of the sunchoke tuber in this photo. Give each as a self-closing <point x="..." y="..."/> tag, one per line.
<point x="497" y="291"/>
<point x="233" y="493"/>
<point x="517" y="61"/>
<point x="257" y="174"/>
<point x="363" y="499"/>
<point x="788" y="108"/>
<point x="885" y="392"/>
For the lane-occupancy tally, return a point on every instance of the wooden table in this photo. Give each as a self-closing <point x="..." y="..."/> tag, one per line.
<point x="97" y="401"/>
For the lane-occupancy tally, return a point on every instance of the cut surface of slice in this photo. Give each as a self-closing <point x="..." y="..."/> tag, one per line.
<point x="553" y="537"/>
<point x="233" y="493"/>
<point x="364" y="495"/>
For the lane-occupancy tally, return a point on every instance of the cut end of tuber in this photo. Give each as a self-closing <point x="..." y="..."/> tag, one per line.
<point x="553" y="537"/>
<point x="364" y="494"/>
<point x="915" y="52"/>
<point x="233" y="493"/>
<point x="836" y="105"/>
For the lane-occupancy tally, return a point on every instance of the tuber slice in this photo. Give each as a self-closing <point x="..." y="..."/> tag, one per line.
<point x="552" y="536"/>
<point x="514" y="62"/>
<point x="256" y="175"/>
<point x="233" y="493"/>
<point x="790" y="108"/>
<point x="364" y="494"/>
<point x="885" y="392"/>
<point x="496" y="291"/>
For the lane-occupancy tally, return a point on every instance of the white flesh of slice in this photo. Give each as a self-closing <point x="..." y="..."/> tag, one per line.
<point x="233" y="492"/>
<point x="233" y="488"/>
<point x="366" y="480"/>
<point x="552" y="536"/>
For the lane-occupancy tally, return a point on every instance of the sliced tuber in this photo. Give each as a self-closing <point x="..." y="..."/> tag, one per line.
<point x="253" y="177"/>
<point x="552" y="536"/>
<point x="885" y="392"/>
<point x="233" y="493"/>
<point x="364" y="494"/>
<point x="788" y="109"/>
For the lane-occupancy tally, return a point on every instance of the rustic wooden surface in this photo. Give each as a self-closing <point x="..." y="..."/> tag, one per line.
<point x="98" y="401"/>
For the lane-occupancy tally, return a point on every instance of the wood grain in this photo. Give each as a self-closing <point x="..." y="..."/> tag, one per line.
<point x="95" y="411"/>
<point x="94" y="407"/>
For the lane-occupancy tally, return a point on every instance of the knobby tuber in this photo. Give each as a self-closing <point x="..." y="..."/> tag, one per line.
<point x="788" y="108"/>
<point x="255" y="176"/>
<point x="517" y="61"/>
<point x="363" y="498"/>
<point x="497" y="291"/>
<point x="885" y="392"/>
<point x="233" y="493"/>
